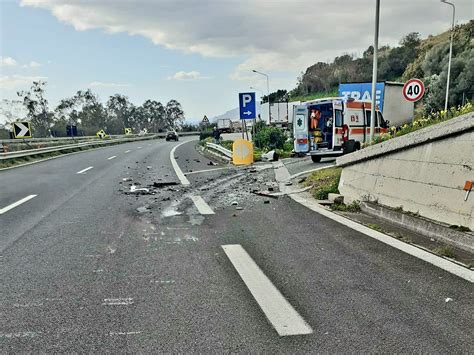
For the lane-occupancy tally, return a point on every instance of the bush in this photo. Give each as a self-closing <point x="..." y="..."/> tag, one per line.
<point x="205" y="134"/>
<point x="269" y="138"/>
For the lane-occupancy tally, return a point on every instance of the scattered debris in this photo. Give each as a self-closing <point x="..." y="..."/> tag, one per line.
<point x="270" y="156"/>
<point x="270" y="188"/>
<point x="288" y="183"/>
<point x="266" y="202"/>
<point x="253" y="170"/>
<point x="164" y="183"/>
<point x="142" y="209"/>
<point x="127" y="179"/>
<point x="265" y="194"/>
<point x="239" y="208"/>
<point x="234" y="203"/>
<point x="211" y="163"/>
<point x="139" y="191"/>
<point x="448" y="300"/>
<point x="148" y="167"/>
<point x="197" y="160"/>
<point x="166" y="199"/>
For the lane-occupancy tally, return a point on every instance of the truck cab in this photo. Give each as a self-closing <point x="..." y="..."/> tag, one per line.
<point x="331" y="127"/>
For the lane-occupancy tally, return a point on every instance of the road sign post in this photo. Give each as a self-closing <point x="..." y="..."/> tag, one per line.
<point x="247" y="108"/>
<point x="413" y="90"/>
<point x="22" y="130"/>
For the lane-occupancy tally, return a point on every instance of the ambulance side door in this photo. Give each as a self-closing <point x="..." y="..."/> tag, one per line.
<point x="300" y="129"/>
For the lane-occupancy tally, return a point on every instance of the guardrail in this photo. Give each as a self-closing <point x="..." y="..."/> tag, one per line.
<point x="30" y="152"/>
<point x="220" y="149"/>
<point x="78" y="138"/>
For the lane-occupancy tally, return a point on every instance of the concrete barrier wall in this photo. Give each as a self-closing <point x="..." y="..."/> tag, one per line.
<point x="423" y="172"/>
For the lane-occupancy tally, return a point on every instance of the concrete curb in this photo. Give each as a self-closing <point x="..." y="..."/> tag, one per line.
<point x="431" y="229"/>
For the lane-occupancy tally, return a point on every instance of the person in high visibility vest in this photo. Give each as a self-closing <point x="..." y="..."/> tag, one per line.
<point x="314" y="119"/>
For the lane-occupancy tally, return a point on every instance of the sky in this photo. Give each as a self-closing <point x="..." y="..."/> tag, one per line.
<point x="199" y="52"/>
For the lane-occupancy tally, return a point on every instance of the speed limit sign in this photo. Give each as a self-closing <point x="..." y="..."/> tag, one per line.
<point x="413" y="90"/>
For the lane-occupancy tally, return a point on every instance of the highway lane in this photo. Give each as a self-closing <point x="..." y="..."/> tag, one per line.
<point x="97" y="275"/>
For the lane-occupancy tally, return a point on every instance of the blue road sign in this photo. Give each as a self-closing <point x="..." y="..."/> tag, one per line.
<point x="248" y="109"/>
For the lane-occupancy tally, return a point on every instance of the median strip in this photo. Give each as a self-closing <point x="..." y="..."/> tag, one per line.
<point x="84" y="170"/>
<point x="17" y="203"/>
<point x="283" y="317"/>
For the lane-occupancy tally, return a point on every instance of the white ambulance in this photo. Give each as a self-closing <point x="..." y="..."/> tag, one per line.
<point x="332" y="126"/>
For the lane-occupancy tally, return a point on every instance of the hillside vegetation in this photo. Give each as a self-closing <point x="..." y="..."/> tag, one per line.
<point x="426" y="59"/>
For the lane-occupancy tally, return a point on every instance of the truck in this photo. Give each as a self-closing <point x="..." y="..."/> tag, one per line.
<point x="278" y="113"/>
<point x="333" y="126"/>
<point x="388" y="97"/>
<point x="224" y="125"/>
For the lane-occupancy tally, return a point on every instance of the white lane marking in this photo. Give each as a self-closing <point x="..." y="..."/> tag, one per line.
<point x="433" y="259"/>
<point x="177" y="169"/>
<point x="117" y="302"/>
<point x="84" y="170"/>
<point x="125" y="333"/>
<point x="139" y="147"/>
<point x="444" y="264"/>
<point x="277" y="309"/>
<point x="17" y="203"/>
<point x="201" y="205"/>
<point x="112" y="157"/>
<point x="20" y="335"/>
<point x="127" y="151"/>
<point x="203" y="171"/>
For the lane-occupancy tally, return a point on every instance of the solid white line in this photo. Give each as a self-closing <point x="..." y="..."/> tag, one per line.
<point x="444" y="264"/>
<point x="17" y="203"/>
<point x="112" y="157"/>
<point x="201" y="205"/>
<point x="127" y="151"/>
<point x="84" y="170"/>
<point x="177" y="169"/>
<point x="277" y="309"/>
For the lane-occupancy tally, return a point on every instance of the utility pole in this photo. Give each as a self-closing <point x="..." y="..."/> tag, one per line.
<point x="450" y="54"/>
<point x="374" y="71"/>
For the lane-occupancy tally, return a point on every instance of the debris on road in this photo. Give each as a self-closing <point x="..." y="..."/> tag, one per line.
<point x="211" y="163"/>
<point x="139" y="191"/>
<point x="142" y="209"/>
<point x="264" y="193"/>
<point x="266" y="202"/>
<point x="239" y="208"/>
<point x="234" y="203"/>
<point x="448" y="300"/>
<point x="127" y="179"/>
<point x="148" y="167"/>
<point x="270" y="156"/>
<point x="164" y="183"/>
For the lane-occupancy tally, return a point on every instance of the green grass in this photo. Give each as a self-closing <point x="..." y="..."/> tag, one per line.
<point x="354" y="207"/>
<point x="445" y="251"/>
<point x="323" y="182"/>
<point x="375" y="227"/>
<point x="315" y="95"/>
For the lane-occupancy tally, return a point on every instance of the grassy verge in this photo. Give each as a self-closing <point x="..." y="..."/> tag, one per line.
<point x="324" y="182"/>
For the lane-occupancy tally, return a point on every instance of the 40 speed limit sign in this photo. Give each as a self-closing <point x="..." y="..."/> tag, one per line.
<point x="413" y="90"/>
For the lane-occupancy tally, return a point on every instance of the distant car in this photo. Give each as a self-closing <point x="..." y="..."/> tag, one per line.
<point x="172" y="135"/>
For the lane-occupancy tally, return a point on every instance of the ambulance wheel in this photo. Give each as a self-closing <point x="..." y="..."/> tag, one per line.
<point x="315" y="158"/>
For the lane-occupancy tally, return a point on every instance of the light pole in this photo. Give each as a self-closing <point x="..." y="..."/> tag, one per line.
<point x="374" y="71"/>
<point x="268" y="91"/>
<point x="450" y="54"/>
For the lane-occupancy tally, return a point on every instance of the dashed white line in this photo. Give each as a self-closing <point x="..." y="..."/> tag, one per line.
<point x="201" y="205"/>
<point x="17" y="203"/>
<point x="117" y="302"/>
<point x="177" y="169"/>
<point x="277" y="309"/>
<point x="124" y="333"/>
<point x="127" y="151"/>
<point x="84" y="170"/>
<point x="112" y="157"/>
<point x="139" y="147"/>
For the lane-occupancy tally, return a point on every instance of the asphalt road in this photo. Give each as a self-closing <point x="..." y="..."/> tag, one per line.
<point x="87" y="265"/>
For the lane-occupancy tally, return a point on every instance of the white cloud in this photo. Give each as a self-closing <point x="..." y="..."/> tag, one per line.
<point x="100" y="84"/>
<point x="34" y="64"/>
<point x="14" y="82"/>
<point x="190" y="75"/>
<point x="281" y="35"/>
<point x="8" y="61"/>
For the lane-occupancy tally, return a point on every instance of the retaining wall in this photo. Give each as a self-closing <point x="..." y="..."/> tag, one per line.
<point x="423" y="172"/>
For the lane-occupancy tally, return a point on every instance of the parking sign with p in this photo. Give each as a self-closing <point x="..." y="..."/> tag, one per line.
<point x="247" y="106"/>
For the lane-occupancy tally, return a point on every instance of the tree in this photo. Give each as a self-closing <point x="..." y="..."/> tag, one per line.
<point x="277" y="96"/>
<point x="174" y="114"/>
<point x="119" y="109"/>
<point x="155" y="115"/>
<point x="37" y="108"/>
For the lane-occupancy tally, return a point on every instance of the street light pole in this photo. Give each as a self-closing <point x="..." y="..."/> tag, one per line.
<point x="374" y="71"/>
<point x="450" y="54"/>
<point x="268" y="91"/>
